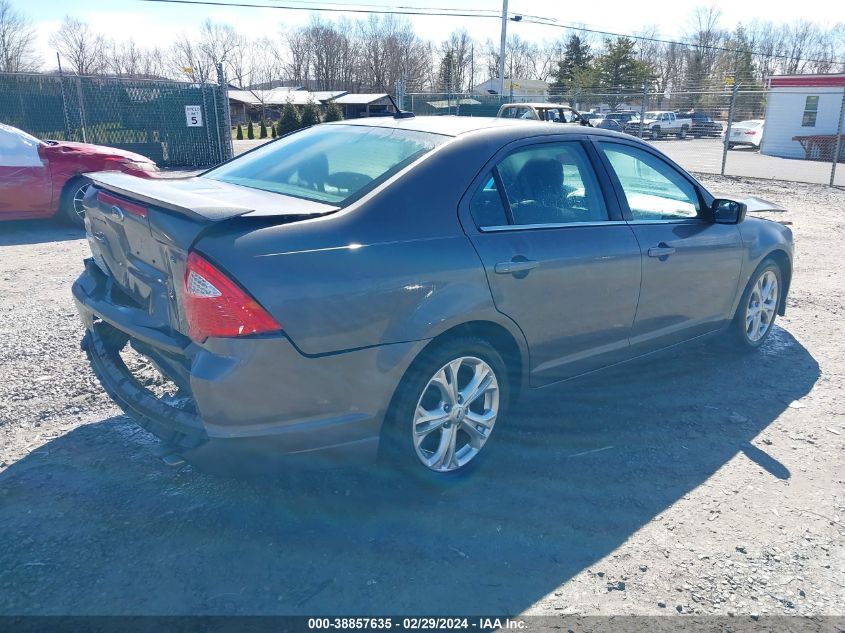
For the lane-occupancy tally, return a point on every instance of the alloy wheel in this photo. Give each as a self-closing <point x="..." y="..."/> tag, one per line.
<point x="78" y="195"/>
<point x="455" y="414"/>
<point x="762" y="306"/>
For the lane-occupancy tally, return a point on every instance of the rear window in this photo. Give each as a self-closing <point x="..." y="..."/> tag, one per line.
<point x="334" y="164"/>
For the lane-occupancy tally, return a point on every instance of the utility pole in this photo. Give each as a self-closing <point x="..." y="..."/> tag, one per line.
<point x="502" y="44"/>
<point x="727" y="143"/>
<point x="471" y="67"/>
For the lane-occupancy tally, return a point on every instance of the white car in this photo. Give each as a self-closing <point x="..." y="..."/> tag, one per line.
<point x="746" y="133"/>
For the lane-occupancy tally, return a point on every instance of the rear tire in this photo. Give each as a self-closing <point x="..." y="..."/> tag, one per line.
<point x="435" y="433"/>
<point x="757" y="310"/>
<point x="71" y="202"/>
<point x="683" y="133"/>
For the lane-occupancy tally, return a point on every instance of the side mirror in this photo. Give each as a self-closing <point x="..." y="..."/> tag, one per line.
<point x="728" y="211"/>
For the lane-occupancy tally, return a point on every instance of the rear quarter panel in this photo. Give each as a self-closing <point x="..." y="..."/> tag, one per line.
<point x="394" y="267"/>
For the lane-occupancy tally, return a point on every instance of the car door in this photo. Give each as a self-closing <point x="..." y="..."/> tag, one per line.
<point x="25" y="184"/>
<point x="690" y="265"/>
<point x="560" y="260"/>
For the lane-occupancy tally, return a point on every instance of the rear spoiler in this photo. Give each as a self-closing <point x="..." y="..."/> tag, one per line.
<point x="206" y="200"/>
<point x="159" y="192"/>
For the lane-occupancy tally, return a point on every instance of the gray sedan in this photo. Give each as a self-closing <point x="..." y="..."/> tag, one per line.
<point x="389" y="286"/>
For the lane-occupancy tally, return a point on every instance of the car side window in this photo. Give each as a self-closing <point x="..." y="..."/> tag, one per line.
<point x="486" y="205"/>
<point x="552" y="183"/>
<point x="654" y="189"/>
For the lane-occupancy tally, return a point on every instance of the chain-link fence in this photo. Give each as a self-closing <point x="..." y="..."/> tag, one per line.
<point x="174" y="123"/>
<point x="783" y="133"/>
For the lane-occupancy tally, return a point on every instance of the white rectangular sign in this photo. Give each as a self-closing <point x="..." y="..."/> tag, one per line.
<point x="193" y="116"/>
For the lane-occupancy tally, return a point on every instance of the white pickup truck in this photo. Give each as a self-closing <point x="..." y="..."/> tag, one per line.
<point x="660" y="123"/>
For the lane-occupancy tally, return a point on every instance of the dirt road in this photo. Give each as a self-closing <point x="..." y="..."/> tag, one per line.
<point x="692" y="483"/>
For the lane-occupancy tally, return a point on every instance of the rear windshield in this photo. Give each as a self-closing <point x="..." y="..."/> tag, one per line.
<point x="335" y="164"/>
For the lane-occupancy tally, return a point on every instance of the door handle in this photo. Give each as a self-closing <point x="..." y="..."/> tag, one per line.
<point x="518" y="266"/>
<point x="661" y="251"/>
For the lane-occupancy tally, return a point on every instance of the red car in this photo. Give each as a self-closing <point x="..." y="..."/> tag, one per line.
<point x="39" y="179"/>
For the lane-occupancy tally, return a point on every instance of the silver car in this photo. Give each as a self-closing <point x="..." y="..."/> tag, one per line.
<point x="389" y="286"/>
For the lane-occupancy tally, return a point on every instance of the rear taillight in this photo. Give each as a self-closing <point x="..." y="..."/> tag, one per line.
<point x="124" y="205"/>
<point x="216" y="306"/>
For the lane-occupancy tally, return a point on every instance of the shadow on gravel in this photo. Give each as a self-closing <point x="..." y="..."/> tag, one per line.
<point x="19" y="232"/>
<point x="97" y="525"/>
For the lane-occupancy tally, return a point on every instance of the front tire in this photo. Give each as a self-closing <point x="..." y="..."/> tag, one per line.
<point x="655" y="133"/>
<point x="71" y="202"/>
<point x="683" y="133"/>
<point x="757" y="309"/>
<point x="445" y="410"/>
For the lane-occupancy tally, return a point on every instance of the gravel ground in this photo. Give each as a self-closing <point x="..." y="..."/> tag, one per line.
<point x="694" y="483"/>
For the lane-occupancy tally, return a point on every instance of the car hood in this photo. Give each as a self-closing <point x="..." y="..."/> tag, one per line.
<point x="70" y="149"/>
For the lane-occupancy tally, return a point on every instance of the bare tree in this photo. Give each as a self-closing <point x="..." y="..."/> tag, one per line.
<point x="457" y="62"/>
<point x="705" y="37"/>
<point x="298" y="62"/>
<point x="187" y="60"/>
<point x="390" y="49"/>
<point x="219" y="44"/>
<point x="17" y="41"/>
<point x="125" y="59"/>
<point x="83" y="49"/>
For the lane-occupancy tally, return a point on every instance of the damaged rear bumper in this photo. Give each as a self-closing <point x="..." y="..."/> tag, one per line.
<point x="241" y="399"/>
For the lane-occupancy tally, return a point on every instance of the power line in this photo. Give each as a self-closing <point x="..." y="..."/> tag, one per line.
<point x="462" y="13"/>
<point x="409" y="11"/>
<point x="646" y="38"/>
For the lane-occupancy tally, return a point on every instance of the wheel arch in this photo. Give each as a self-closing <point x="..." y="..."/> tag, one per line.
<point x="783" y="262"/>
<point x="498" y="336"/>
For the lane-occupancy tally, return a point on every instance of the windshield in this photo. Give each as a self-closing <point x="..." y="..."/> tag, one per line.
<point x="335" y="164"/>
<point x="652" y="115"/>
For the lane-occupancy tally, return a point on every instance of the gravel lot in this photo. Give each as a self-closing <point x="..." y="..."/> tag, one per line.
<point x="699" y="482"/>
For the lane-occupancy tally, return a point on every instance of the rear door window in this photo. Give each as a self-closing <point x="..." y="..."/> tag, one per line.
<point x="552" y="183"/>
<point x="486" y="205"/>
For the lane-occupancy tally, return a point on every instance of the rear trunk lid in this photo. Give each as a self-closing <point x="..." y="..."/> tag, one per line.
<point x="141" y="231"/>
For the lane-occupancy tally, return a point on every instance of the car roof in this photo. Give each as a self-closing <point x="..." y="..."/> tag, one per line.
<point x="451" y="125"/>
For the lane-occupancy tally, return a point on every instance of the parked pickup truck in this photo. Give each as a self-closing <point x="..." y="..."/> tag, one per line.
<point x="660" y="123"/>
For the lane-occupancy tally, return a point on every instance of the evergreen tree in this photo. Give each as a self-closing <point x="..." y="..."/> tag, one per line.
<point x="289" y="121"/>
<point x="333" y="112"/>
<point x="574" y="72"/>
<point x="310" y="114"/>
<point x="739" y="64"/>
<point x="250" y="133"/>
<point x="262" y="129"/>
<point x="446" y="74"/>
<point x="240" y="133"/>
<point x="620" y="73"/>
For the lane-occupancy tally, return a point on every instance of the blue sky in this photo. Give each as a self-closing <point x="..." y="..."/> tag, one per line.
<point x="158" y="24"/>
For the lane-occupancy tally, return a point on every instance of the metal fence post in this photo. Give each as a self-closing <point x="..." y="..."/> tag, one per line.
<point x="226" y="150"/>
<point x="81" y="98"/>
<point x="837" y="147"/>
<point x="730" y="123"/>
<point x="64" y="97"/>
<point x="642" y="107"/>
